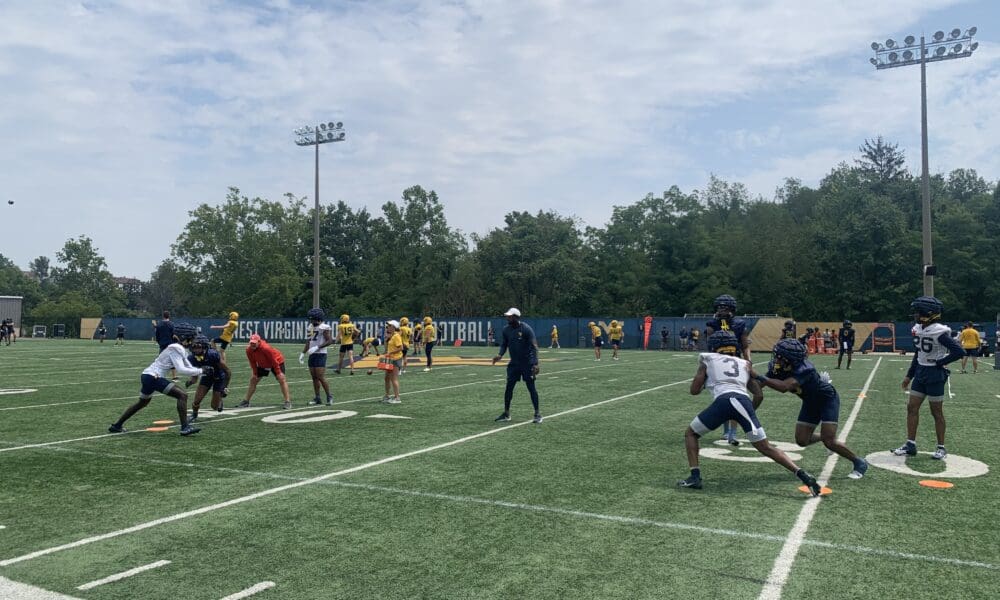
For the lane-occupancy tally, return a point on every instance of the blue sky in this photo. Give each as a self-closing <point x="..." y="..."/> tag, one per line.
<point x="119" y="117"/>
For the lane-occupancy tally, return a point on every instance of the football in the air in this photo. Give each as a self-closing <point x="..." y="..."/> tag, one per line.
<point x="370" y="371"/>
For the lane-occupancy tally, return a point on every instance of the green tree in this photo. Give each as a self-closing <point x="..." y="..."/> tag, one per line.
<point x="85" y="274"/>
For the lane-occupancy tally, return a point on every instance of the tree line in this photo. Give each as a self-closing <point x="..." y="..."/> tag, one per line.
<point x="849" y="248"/>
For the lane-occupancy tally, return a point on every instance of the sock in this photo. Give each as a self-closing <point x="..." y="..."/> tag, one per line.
<point x="941" y="446"/>
<point x="696" y="473"/>
<point x="911" y="442"/>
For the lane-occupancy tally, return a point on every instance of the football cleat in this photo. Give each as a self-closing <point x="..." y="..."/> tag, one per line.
<point x="939" y="453"/>
<point x="190" y="430"/>
<point x="503" y="418"/>
<point x="907" y="449"/>
<point x="690" y="482"/>
<point x="286" y="405"/>
<point x="537" y="419"/>
<point x="116" y="429"/>
<point x="244" y="404"/>
<point x="810" y="482"/>
<point x="860" y="468"/>
<point x="315" y="401"/>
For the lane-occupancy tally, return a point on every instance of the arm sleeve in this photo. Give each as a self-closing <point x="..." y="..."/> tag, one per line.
<point x="532" y="348"/>
<point x="913" y="366"/>
<point x="503" y="343"/>
<point x="955" y="351"/>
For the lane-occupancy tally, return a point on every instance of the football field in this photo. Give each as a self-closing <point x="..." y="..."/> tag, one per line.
<point x="431" y="498"/>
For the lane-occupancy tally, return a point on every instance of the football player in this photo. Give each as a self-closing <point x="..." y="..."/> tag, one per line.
<point x="788" y="331"/>
<point x="615" y="334"/>
<point x="315" y="349"/>
<point x="346" y="331"/>
<point x="154" y="378"/>
<point x="728" y="377"/>
<point x="405" y="334"/>
<point x="935" y="349"/>
<point x="595" y="332"/>
<point x="225" y="338"/>
<point x="725" y="319"/>
<point x="789" y="371"/>
<point x="202" y="355"/>
<point x="845" y="341"/>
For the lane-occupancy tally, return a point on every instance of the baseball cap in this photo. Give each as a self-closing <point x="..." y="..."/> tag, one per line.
<point x="394" y="323"/>
<point x="512" y="312"/>
<point x="254" y="340"/>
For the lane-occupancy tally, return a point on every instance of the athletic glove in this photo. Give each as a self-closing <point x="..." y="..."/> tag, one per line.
<point x="302" y="358"/>
<point x="208" y="371"/>
<point x="312" y="350"/>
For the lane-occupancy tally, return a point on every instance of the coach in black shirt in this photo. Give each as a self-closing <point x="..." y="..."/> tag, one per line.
<point x="520" y="339"/>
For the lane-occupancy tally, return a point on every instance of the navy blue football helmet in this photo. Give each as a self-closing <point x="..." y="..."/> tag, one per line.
<point x="185" y="332"/>
<point x="927" y="309"/>
<point x="725" y="301"/>
<point x="316" y="314"/>
<point x="789" y="353"/>
<point x="848" y="324"/>
<point x="202" y="342"/>
<point x="723" y="342"/>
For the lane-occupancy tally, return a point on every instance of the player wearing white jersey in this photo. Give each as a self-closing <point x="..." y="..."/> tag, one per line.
<point x="315" y="349"/>
<point x="154" y="378"/>
<point x="935" y="348"/>
<point x="728" y="377"/>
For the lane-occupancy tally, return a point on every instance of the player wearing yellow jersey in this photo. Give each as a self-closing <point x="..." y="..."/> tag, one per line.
<point x="405" y="334"/>
<point x="346" y="332"/>
<point x="418" y="336"/>
<point x="429" y="333"/>
<point x="394" y="354"/>
<point x="226" y="337"/>
<point x="969" y="338"/>
<point x="555" y="337"/>
<point x="616" y="333"/>
<point x="595" y="332"/>
<point x="369" y="346"/>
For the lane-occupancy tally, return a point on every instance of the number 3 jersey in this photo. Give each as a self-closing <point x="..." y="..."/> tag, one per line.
<point x="726" y="374"/>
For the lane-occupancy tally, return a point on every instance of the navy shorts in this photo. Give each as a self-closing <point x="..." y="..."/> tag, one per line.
<point x="971" y="351"/>
<point x="152" y="383"/>
<point x="262" y="372"/>
<point x="221" y="343"/>
<point x="929" y="382"/>
<point x="730" y="407"/>
<point x="217" y="384"/>
<point x="616" y="343"/>
<point x="344" y="348"/>
<point x="519" y="372"/>
<point x="825" y="410"/>
<point x="317" y="360"/>
<point x="598" y="342"/>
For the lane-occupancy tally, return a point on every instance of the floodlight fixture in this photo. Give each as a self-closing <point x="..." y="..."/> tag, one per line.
<point x="931" y="50"/>
<point x="314" y="136"/>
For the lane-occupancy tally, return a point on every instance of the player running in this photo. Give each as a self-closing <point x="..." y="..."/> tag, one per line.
<point x="789" y="371"/>
<point x="154" y="378"/>
<point x="935" y="349"/>
<point x="728" y="378"/>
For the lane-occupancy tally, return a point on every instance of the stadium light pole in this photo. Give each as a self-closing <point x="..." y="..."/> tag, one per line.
<point x="956" y="44"/>
<point x="324" y="133"/>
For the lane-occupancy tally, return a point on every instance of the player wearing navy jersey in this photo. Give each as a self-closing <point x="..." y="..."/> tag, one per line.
<point x="927" y="375"/>
<point x="315" y="349"/>
<point x="202" y="355"/>
<point x="728" y="377"/>
<point x="120" y="335"/>
<point x="789" y="371"/>
<point x="788" y="331"/>
<point x="845" y="343"/>
<point x="154" y="379"/>
<point x="725" y="320"/>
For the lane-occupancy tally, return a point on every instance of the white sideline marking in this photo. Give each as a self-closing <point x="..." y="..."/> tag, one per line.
<point x="298" y="484"/>
<point x="23" y="591"/>
<point x="950" y="395"/>
<point x="563" y="511"/>
<point x="250" y="591"/>
<point x="123" y="575"/>
<point x="783" y="563"/>
<point x="387" y="417"/>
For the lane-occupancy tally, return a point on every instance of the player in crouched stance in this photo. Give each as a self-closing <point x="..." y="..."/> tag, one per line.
<point x="789" y="371"/>
<point x="728" y="377"/>
<point x="155" y="379"/>
<point x="201" y="356"/>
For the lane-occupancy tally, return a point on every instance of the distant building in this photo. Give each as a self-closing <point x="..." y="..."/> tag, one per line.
<point x="129" y="285"/>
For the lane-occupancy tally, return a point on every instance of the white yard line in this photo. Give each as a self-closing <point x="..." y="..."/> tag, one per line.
<point x="123" y="575"/>
<point x="313" y="480"/>
<point x="12" y="590"/>
<point x="786" y="558"/>
<point x="250" y="591"/>
<point x="855" y="549"/>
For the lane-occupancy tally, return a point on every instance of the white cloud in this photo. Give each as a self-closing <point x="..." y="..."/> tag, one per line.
<point x="123" y="116"/>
